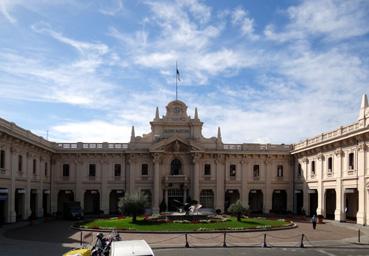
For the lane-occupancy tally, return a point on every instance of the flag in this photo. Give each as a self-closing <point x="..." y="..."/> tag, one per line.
<point x="178" y="76"/>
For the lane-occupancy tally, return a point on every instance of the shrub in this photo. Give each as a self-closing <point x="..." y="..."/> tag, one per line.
<point x="238" y="209"/>
<point x="133" y="205"/>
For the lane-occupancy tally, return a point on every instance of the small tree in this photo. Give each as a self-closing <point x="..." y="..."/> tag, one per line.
<point x="133" y="205"/>
<point x="237" y="208"/>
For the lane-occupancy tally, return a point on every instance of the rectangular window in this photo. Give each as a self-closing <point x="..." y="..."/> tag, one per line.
<point x="20" y="163"/>
<point x="280" y="171"/>
<point x="312" y="167"/>
<point x="232" y="170"/>
<point x="144" y="169"/>
<point x="92" y="170"/>
<point x="65" y="170"/>
<point x="2" y="159"/>
<point x="34" y="166"/>
<point x="46" y="169"/>
<point x="351" y="161"/>
<point x="330" y="164"/>
<point x="299" y="170"/>
<point x="207" y="169"/>
<point x="256" y="170"/>
<point x="117" y="170"/>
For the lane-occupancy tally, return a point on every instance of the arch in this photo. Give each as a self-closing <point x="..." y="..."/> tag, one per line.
<point x="34" y="203"/>
<point x="299" y="195"/>
<point x="92" y="202"/>
<point x="3" y="205"/>
<point x="256" y="201"/>
<point x="313" y="201"/>
<point x="279" y="201"/>
<point x="207" y="198"/>
<point x="114" y="198"/>
<point x="175" y="167"/>
<point x="231" y="196"/>
<point x="64" y="196"/>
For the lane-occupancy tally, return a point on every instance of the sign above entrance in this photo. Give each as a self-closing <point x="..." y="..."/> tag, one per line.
<point x="311" y="191"/>
<point x="21" y="191"/>
<point x="350" y="190"/>
<point x="4" y="191"/>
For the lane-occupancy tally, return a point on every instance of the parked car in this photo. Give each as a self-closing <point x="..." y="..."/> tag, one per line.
<point x="72" y="210"/>
<point x="131" y="248"/>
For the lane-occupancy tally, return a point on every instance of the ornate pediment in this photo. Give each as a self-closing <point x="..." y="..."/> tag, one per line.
<point x="175" y="144"/>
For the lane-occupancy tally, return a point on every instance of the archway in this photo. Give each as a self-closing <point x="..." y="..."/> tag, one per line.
<point x="207" y="198"/>
<point x="114" y="198"/>
<point x="330" y="203"/>
<point x="33" y="203"/>
<point x="20" y="204"/>
<point x="175" y="167"/>
<point x="64" y="196"/>
<point x="175" y="199"/>
<point x="92" y="202"/>
<point x="279" y="201"/>
<point x="313" y="201"/>
<point x="256" y="201"/>
<point x="3" y="205"/>
<point x="231" y="196"/>
<point x="46" y="202"/>
<point x="351" y="203"/>
<point x="299" y="194"/>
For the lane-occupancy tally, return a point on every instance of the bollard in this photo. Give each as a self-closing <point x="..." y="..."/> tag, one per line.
<point x="302" y="241"/>
<point x="224" y="239"/>
<point x="264" y="245"/>
<point x="186" y="245"/>
<point x="81" y="238"/>
<point x="358" y="236"/>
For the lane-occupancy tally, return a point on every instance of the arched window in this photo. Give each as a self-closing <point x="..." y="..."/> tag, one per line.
<point x="207" y="198"/>
<point x="175" y="167"/>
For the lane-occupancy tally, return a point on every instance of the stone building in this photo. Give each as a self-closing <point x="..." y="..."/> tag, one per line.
<point x="175" y="163"/>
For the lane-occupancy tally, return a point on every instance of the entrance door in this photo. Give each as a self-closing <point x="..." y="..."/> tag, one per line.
<point x="175" y="199"/>
<point x="231" y="196"/>
<point x="299" y="201"/>
<point x="279" y="201"/>
<point x="330" y="203"/>
<point x="256" y="201"/>
<point x="3" y="207"/>
<point x="114" y="198"/>
<point x="64" y="196"/>
<point x="352" y="203"/>
<point x="92" y="202"/>
<point x="45" y="203"/>
<point x="313" y="199"/>
<point x="19" y="204"/>
<point x="33" y="203"/>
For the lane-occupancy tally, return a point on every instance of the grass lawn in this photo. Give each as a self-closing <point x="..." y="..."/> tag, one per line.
<point x="142" y="225"/>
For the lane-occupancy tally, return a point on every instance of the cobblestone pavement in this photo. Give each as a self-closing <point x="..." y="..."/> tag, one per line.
<point x="56" y="237"/>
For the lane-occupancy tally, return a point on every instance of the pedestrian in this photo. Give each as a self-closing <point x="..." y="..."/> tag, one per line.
<point x="313" y="220"/>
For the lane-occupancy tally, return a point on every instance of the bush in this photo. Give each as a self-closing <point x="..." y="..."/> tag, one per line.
<point x="133" y="205"/>
<point x="238" y="209"/>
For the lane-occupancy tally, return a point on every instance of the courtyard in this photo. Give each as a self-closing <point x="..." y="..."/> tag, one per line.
<point x="56" y="237"/>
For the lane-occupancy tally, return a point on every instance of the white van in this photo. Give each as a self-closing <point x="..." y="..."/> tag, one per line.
<point x="131" y="247"/>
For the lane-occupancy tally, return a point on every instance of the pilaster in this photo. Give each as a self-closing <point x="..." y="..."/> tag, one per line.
<point x="220" y="182"/>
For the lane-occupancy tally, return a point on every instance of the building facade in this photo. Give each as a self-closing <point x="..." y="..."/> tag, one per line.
<point x="175" y="163"/>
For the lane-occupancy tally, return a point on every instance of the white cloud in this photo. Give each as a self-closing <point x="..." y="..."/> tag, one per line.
<point x="112" y="11"/>
<point x="5" y="7"/>
<point x="241" y="18"/>
<point x="331" y="19"/>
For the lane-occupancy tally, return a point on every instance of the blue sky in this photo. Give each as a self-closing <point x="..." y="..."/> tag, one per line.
<point x="264" y="71"/>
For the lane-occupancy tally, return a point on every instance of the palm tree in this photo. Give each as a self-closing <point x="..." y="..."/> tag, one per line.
<point x="133" y="205"/>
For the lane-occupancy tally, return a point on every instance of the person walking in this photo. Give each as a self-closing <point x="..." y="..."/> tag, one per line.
<point x="313" y="220"/>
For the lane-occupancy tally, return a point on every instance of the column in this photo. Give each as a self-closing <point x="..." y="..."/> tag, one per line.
<point x="321" y="192"/>
<point x="105" y="170"/>
<point x="339" y="213"/>
<point x="306" y="202"/>
<point x="79" y="171"/>
<point x="11" y="194"/>
<point x="27" y="196"/>
<point x="362" y="193"/>
<point x="156" y="184"/>
<point x="131" y="176"/>
<point x="219" y="162"/>
<point x="244" y="183"/>
<point x="196" y="179"/>
<point x="40" y="210"/>
<point x="53" y="190"/>
<point x="267" y="195"/>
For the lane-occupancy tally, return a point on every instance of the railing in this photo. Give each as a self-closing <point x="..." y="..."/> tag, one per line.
<point x="329" y="135"/>
<point x="94" y="146"/>
<point x="263" y="147"/>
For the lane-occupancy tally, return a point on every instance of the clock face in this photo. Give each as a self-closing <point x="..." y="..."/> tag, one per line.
<point x="177" y="110"/>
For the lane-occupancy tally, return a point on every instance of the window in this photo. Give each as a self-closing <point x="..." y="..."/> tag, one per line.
<point x="312" y="167"/>
<point x="175" y="167"/>
<point x="34" y="166"/>
<point x="351" y="161"/>
<point x="117" y="170"/>
<point x="280" y="171"/>
<point x="144" y="169"/>
<point x="92" y="170"/>
<point x="65" y="170"/>
<point x="20" y="163"/>
<point x="207" y="198"/>
<point x="46" y="171"/>
<point x="207" y="169"/>
<point x="330" y="164"/>
<point x="299" y="170"/>
<point x="232" y="170"/>
<point x="256" y="171"/>
<point x="2" y="159"/>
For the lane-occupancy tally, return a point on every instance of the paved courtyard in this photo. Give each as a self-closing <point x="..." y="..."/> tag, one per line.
<point x="56" y="237"/>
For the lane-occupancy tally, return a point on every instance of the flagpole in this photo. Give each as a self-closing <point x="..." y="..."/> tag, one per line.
<point x="176" y="81"/>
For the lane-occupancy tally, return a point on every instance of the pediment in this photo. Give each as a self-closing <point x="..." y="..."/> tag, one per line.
<point x="175" y="144"/>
